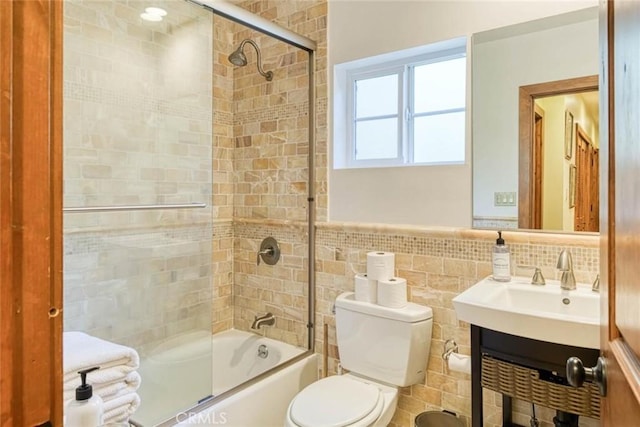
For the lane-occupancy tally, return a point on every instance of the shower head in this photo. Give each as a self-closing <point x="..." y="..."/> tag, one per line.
<point x="239" y="59"/>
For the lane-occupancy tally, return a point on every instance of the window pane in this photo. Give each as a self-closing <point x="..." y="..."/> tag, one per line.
<point x="377" y="96"/>
<point x="439" y="138"/>
<point x="440" y="86"/>
<point x="377" y="139"/>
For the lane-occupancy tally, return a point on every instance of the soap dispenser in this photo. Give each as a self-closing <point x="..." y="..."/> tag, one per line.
<point x="501" y="260"/>
<point x="86" y="410"/>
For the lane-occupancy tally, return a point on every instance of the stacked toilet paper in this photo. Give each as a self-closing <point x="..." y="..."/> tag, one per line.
<point x="378" y="285"/>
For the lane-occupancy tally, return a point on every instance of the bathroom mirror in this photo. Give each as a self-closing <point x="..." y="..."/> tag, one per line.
<point x="535" y="124"/>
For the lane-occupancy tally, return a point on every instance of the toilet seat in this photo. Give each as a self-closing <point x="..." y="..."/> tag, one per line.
<point x="337" y="401"/>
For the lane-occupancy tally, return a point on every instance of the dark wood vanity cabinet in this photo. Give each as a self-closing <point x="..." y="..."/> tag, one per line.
<point x="545" y="361"/>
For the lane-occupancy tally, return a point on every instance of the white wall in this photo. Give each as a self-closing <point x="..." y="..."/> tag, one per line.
<point x="553" y="181"/>
<point x="359" y="29"/>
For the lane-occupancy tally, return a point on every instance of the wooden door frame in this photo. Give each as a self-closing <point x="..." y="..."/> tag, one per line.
<point x="622" y="363"/>
<point x="527" y="97"/>
<point x="31" y="212"/>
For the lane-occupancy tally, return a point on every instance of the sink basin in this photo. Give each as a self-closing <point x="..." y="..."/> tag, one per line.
<point x="545" y="313"/>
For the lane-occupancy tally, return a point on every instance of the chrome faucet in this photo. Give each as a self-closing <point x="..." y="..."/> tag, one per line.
<point x="266" y="319"/>
<point x="565" y="264"/>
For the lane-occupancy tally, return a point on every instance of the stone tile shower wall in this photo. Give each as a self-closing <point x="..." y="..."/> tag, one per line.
<point x="276" y="113"/>
<point x="271" y="168"/>
<point x="438" y="264"/>
<point x="271" y="123"/>
<point x="223" y="175"/>
<point x="280" y="289"/>
<point x="138" y="120"/>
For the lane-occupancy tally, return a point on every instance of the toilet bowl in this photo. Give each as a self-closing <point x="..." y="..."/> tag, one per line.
<point x="343" y="400"/>
<point x="382" y="348"/>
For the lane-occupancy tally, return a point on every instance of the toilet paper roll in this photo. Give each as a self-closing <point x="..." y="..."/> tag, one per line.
<point x="459" y="363"/>
<point x="380" y="265"/>
<point x="392" y="293"/>
<point x="366" y="289"/>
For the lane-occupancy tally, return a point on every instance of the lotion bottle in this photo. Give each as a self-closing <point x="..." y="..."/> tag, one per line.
<point x="86" y="410"/>
<point x="501" y="260"/>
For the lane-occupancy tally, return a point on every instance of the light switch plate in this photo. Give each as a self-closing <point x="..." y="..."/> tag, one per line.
<point x="504" y="199"/>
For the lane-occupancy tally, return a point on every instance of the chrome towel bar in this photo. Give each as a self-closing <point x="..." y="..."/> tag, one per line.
<point x="83" y="209"/>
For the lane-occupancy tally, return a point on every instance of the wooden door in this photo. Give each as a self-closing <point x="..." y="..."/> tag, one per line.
<point x="582" y="165"/>
<point x="620" y="211"/>
<point x="30" y="213"/>
<point x="538" y="171"/>
<point x="587" y="198"/>
<point x="594" y="191"/>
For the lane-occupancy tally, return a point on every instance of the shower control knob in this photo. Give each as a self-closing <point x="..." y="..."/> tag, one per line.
<point x="577" y="374"/>
<point x="269" y="251"/>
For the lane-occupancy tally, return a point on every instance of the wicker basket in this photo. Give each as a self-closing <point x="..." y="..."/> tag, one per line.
<point x="525" y="383"/>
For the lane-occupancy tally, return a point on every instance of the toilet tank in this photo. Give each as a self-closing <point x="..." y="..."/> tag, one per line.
<point x="385" y="344"/>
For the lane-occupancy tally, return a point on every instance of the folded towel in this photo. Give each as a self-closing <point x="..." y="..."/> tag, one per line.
<point x="121" y="408"/>
<point x="82" y="351"/>
<point x="129" y="384"/>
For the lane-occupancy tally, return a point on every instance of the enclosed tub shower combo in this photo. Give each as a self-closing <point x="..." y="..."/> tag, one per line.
<point x="189" y="205"/>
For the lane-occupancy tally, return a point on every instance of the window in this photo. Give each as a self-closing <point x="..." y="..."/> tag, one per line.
<point x="399" y="111"/>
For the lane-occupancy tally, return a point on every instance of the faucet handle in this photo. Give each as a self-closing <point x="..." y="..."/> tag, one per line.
<point x="269" y="251"/>
<point x="538" y="278"/>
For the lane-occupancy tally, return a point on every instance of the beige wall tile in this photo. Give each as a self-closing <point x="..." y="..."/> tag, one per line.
<point x="451" y="261"/>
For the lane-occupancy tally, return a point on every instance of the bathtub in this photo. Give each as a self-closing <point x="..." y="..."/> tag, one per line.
<point x="237" y="357"/>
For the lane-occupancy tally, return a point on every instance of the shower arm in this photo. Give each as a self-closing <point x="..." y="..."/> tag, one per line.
<point x="268" y="74"/>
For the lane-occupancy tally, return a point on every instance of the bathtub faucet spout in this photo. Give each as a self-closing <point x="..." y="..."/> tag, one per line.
<point x="265" y="319"/>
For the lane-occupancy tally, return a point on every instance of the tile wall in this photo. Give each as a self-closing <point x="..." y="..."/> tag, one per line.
<point x="137" y="131"/>
<point x="438" y="263"/>
<point x="223" y="174"/>
<point x="270" y="167"/>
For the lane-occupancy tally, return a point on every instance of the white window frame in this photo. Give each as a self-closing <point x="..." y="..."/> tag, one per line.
<point x="362" y="74"/>
<point x="402" y="64"/>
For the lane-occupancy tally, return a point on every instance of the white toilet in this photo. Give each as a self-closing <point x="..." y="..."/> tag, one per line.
<point x="383" y="348"/>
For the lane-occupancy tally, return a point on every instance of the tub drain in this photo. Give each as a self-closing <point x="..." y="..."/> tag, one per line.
<point x="263" y="351"/>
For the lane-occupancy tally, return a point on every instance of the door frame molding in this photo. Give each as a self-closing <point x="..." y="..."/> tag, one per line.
<point x="31" y="212"/>
<point x="527" y="97"/>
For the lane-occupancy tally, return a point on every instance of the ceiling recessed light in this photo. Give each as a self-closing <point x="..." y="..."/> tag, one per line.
<point x="150" y="17"/>
<point x="156" y="11"/>
<point x="153" y="14"/>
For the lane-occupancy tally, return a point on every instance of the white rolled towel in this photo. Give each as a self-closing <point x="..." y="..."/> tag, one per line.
<point x="121" y="408"/>
<point x="82" y="351"/>
<point x="129" y="384"/>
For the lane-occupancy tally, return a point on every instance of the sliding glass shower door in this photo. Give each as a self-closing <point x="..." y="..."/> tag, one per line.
<point x="138" y="192"/>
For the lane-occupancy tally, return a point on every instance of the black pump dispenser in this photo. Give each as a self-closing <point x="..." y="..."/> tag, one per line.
<point x="499" y="240"/>
<point x="85" y="391"/>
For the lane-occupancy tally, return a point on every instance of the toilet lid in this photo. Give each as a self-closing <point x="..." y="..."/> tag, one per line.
<point x="335" y="401"/>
